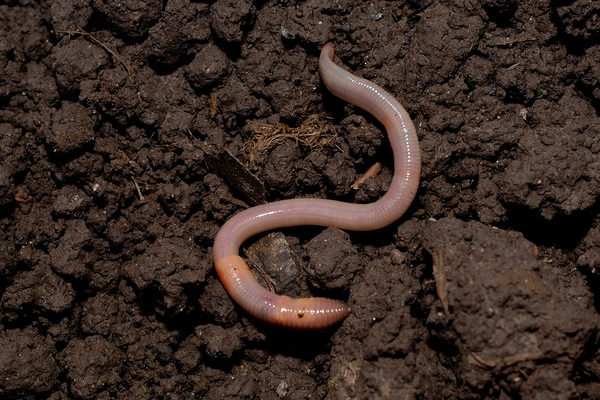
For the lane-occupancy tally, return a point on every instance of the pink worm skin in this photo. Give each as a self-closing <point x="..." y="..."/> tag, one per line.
<point x="318" y="312"/>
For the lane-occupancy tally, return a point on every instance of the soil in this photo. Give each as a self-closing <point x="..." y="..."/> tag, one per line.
<point x="112" y="115"/>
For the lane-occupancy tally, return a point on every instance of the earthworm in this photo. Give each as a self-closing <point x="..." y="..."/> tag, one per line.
<point x="318" y="312"/>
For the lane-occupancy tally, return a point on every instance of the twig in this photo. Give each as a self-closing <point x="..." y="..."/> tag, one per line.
<point x="441" y="284"/>
<point x="255" y="263"/>
<point x="138" y="189"/>
<point x="371" y="172"/>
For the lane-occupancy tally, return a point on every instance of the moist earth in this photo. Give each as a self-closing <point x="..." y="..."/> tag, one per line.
<point x="120" y="124"/>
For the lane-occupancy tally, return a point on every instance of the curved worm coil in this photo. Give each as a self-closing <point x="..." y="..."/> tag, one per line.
<point x="317" y="312"/>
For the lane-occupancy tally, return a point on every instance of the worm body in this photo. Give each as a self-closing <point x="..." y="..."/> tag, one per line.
<point x="317" y="312"/>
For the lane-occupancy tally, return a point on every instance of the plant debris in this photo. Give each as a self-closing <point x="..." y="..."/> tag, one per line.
<point x="316" y="131"/>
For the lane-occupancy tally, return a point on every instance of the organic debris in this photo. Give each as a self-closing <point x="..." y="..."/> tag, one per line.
<point x="314" y="132"/>
<point x="371" y="172"/>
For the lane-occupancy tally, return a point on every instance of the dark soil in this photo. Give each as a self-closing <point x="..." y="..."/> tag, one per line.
<point x="112" y="119"/>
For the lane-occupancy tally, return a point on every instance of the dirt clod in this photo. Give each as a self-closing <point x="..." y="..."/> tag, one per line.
<point x="491" y="292"/>
<point x="27" y="364"/>
<point x="333" y="260"/>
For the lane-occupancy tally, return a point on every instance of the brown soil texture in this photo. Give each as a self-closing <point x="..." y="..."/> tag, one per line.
<point x="114" y="119"/>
